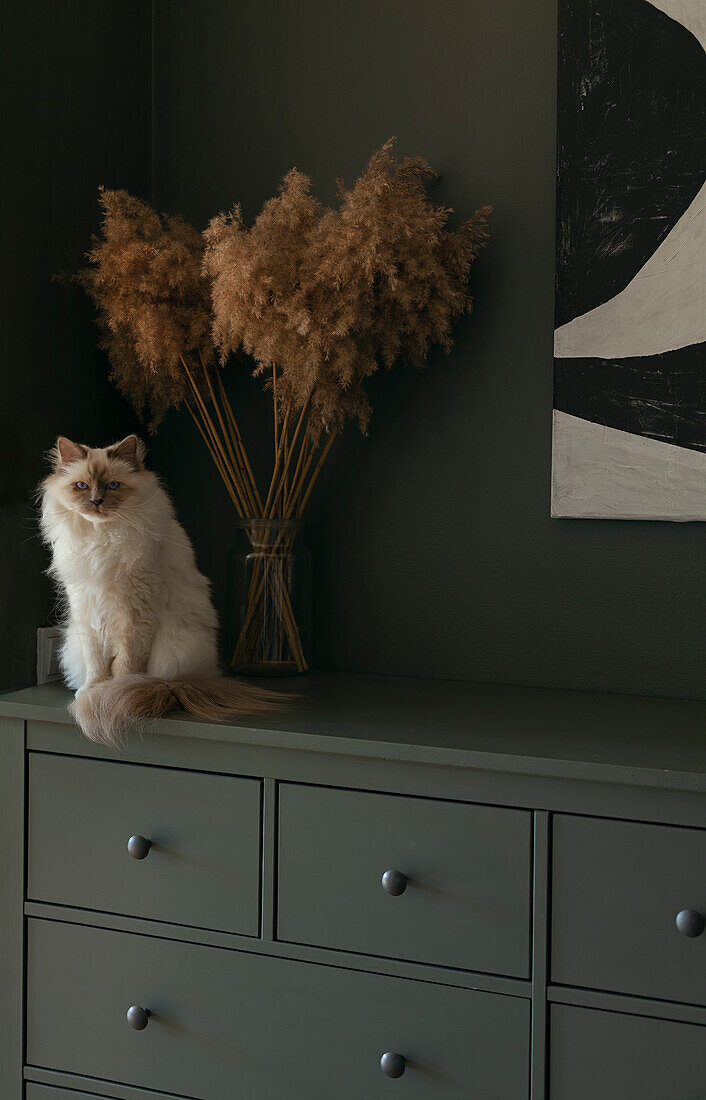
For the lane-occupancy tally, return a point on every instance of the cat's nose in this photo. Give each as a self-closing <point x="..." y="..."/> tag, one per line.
<point x="96" y="502"/>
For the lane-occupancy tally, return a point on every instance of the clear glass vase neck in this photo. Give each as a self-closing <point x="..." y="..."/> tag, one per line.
<point x="270" y="533"/>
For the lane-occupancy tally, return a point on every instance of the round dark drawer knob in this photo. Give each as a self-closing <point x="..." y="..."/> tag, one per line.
<point x="690" y="923"/>
<point x="138" y="1017"/>
<point x="139" y="847"/>
<point x="394" y="883"/>
<point x="392" y="1065"/>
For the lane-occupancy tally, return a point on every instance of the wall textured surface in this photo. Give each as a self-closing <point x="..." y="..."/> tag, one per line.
<point x="434" y="550"/>
<point x="75" y="113"/>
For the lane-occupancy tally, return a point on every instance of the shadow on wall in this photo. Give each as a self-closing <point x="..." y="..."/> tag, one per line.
<point x="72" y="121"/>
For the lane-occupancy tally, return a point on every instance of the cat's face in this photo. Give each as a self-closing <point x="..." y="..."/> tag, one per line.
<point x="96" y="482"/>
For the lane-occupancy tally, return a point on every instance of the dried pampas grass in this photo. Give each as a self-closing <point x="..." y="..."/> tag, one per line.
<point x="319" y="297"/>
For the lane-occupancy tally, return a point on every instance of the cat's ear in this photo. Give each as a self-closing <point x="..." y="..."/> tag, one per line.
<point x="130" y="450"/>
<point x="67" y="451"/>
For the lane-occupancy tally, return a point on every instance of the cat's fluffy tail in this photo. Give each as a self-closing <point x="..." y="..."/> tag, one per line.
<point x="110" y="709"/>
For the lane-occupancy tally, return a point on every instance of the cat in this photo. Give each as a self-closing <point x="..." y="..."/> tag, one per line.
<point x="140" y="635"/>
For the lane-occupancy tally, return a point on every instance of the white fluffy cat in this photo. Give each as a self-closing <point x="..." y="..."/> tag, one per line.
<point x="140" y="633"/>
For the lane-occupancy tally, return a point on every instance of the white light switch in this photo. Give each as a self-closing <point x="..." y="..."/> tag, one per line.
<point x="48" y="638"/>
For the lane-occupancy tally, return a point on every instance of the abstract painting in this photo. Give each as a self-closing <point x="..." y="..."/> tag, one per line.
<point x="629" y="431"/>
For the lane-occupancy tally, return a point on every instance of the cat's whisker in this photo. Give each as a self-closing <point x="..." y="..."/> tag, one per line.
<point x="130" y="520"/>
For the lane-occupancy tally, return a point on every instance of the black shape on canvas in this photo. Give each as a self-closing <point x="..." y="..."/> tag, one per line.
<point x="631" y="143"/>
<point x="660" y="396"/>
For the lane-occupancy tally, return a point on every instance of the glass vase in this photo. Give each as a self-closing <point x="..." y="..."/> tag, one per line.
<point x="270" y="599"/>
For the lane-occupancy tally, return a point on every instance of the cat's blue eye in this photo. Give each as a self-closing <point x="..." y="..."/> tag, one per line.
<point x="113" y="485"/>
<point x="81" y="485"/>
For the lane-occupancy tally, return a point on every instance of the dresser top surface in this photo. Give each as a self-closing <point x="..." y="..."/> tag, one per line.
<point x="618" y="738"/>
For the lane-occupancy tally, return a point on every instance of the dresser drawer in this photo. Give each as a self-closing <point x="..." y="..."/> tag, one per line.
<point x="228" y="1023"/>
<point x="464" y="870"/>
<point x="617" y="889"/>
<point x="108" y="1092"/>
<point x="60" y="1092"/>
<point x="203" y="865"/>
<point x="48" y="1092"/>
<point x="605" y="1056"/>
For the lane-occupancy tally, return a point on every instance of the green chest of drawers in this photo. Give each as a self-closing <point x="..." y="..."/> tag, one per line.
<point x="398" y="888"/>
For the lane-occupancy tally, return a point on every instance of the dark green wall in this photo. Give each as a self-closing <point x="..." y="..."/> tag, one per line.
<point x="75" y="87"/>
<point x="434" y="551"/>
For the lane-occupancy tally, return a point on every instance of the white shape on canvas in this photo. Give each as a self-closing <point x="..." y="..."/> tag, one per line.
<point x="603" y="473"/>
<point x="662" y="308"/>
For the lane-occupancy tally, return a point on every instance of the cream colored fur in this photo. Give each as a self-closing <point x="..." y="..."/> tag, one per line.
<point x="140" y="629"/>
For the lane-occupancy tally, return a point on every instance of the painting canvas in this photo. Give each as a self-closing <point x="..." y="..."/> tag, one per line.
<point x="629" y="430"/>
